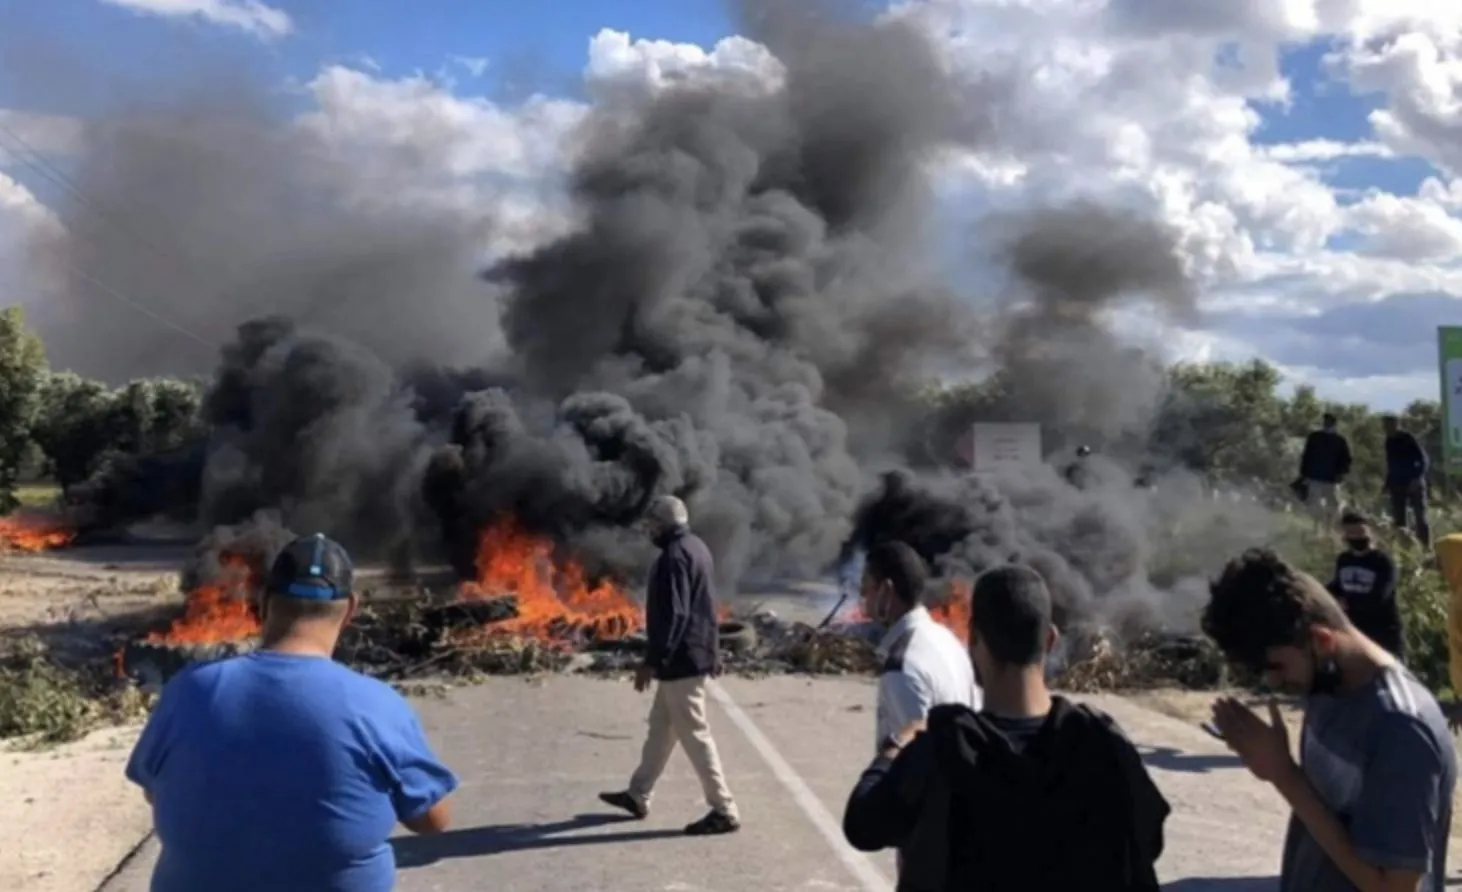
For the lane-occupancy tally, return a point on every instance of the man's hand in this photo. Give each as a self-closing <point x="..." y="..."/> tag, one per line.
<point x="644" y="674"/>
<point x="909" y="732"/>
<point x="1264" y="748"/>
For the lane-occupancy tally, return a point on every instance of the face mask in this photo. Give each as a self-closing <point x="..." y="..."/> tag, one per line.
<point x="1358" y="544"/>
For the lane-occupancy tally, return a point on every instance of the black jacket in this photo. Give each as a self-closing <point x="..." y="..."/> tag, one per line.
<point x="1326" y="458"/>
<point x="1406" y="460"/>
<point x="1075" y="809"/>
<point x="680" y="609"/>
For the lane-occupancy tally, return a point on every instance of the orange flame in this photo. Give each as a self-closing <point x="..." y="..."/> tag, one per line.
<point x="954" y="613"/>
<point x="221" y="611"/>
<point x="555" y="602"/>
<point x="32" y="532"/>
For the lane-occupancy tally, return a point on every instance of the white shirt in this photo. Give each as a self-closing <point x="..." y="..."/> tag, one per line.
<point x="924" y="665"/>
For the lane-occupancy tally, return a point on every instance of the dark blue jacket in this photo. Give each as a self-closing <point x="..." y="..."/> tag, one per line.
<point x="1406" y="461"/>
<point x="681" y="624"/>
<point x="1326" y="458"/>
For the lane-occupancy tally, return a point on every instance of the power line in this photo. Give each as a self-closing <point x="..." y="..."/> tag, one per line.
<point x="141" y="308"/>
<point x="38" y="164"/>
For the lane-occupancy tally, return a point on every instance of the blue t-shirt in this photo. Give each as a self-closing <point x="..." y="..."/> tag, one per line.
<point x="281" y="772"/>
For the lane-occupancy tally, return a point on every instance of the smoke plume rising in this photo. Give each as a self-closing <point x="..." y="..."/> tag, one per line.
<point x="739" y="315"/>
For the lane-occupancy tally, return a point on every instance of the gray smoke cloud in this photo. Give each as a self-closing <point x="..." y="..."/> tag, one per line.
<point x="740" y="317"/>
<point x="1115" y="553"/>
<point x="198" y="205"/>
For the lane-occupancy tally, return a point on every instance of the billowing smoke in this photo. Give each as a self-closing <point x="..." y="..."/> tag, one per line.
<point x="1112" y="550"/>
<point x="740" y="314"/>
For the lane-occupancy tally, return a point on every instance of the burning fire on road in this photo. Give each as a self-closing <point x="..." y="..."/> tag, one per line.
<point x="524" y="599"/>
<point x="32" y="532"/>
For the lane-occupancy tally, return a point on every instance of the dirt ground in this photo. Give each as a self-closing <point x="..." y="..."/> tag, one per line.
<point x="71" y="815"/>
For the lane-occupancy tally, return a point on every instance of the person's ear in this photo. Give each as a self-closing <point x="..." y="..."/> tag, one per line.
<point x="1053" y="638"/>
<point x="352" y="607"/>
<point x="1323" y="639"/>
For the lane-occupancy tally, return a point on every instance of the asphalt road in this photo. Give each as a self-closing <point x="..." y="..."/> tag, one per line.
<point x="534" y="754"/>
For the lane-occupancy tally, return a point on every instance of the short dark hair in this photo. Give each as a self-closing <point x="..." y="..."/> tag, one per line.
<point x="1390" y="419"/>
<point x="286" y="610"/>
<point x="1352" y="517"/>
<point x="1329" y="418"/>
<point x="1010" y="611"/>
<point x="899" y="564"/>
<point x="1260" y="601"/>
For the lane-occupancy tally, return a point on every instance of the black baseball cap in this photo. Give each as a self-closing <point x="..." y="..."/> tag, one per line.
<point x="313" y="568"/>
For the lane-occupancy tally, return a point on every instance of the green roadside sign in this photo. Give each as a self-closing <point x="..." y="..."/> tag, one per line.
<point x="1449" y="344"/>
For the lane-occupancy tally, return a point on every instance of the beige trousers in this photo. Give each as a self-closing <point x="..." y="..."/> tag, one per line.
<point x="1324" y="502"/>
<point x="678" y="715"/>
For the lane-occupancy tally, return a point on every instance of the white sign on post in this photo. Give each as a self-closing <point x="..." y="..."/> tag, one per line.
<point x="1005" y="447"/>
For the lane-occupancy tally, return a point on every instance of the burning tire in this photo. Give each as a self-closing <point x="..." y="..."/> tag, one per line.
<point x="153" y="664"/>
<point x="736" y="638"/>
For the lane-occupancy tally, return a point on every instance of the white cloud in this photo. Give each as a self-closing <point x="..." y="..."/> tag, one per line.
<point x="25" y="134"/>
<point x="23" y="220"/>
<point x="252" y="16"/>
<point x="1157" y="104"/>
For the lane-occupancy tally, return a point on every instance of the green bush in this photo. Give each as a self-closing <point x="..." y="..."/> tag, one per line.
<point x="43" y="701"/>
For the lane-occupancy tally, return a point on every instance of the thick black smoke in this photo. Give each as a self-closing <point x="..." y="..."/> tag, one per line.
<point x="740" y="315"/>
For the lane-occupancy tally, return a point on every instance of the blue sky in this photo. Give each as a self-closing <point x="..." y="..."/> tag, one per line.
<point x="546" y="39"/>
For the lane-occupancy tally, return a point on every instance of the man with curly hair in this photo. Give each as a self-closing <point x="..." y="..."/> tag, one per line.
<point x="1371" y="795"/>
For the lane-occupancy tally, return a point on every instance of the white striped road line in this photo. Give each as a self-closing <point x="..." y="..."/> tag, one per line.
<point x="857" y="863"/>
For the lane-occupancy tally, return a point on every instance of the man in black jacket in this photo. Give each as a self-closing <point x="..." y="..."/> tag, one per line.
<point x="1323" y="466"/>
<point x="1365" y="585"/>
<point x="1034" y="793"/>
<point x="1406" y="467"/>
<point x="681" y="626"/>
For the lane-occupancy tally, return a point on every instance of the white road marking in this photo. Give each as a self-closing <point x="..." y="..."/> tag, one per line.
<point x="857" y="863"/>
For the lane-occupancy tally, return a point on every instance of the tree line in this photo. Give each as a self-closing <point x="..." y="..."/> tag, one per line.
<point x="62" y="427"/>
<point x="1227" y="422"/>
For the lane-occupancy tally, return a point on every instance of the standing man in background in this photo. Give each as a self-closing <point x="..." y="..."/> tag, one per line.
<point x="1365" y="585"/>
<point x="924" y="664"/>
<point x="681" y="656"/>
<point x="1323" y="466"/>
<point x="1033" y="793"/>
<point x="1406" y="467"/>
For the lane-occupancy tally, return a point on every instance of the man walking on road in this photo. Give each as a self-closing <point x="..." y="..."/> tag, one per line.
<point x="1406" y="467"/>
<point x="1371" y="794"/>
<point x="284" y="770"/>
<point x="1323" y="466"/>
<point x="682" y="655"/>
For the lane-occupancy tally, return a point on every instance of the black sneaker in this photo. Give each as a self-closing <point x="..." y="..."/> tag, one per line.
<point x="713" y="824"/>
<point x="623" y="801"/>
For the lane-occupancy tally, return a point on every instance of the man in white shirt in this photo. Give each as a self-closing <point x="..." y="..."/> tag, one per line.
<point x="924" y="663"/>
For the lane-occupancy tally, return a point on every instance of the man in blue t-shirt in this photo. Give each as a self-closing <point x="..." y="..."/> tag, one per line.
<point x="283" y="770"/>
